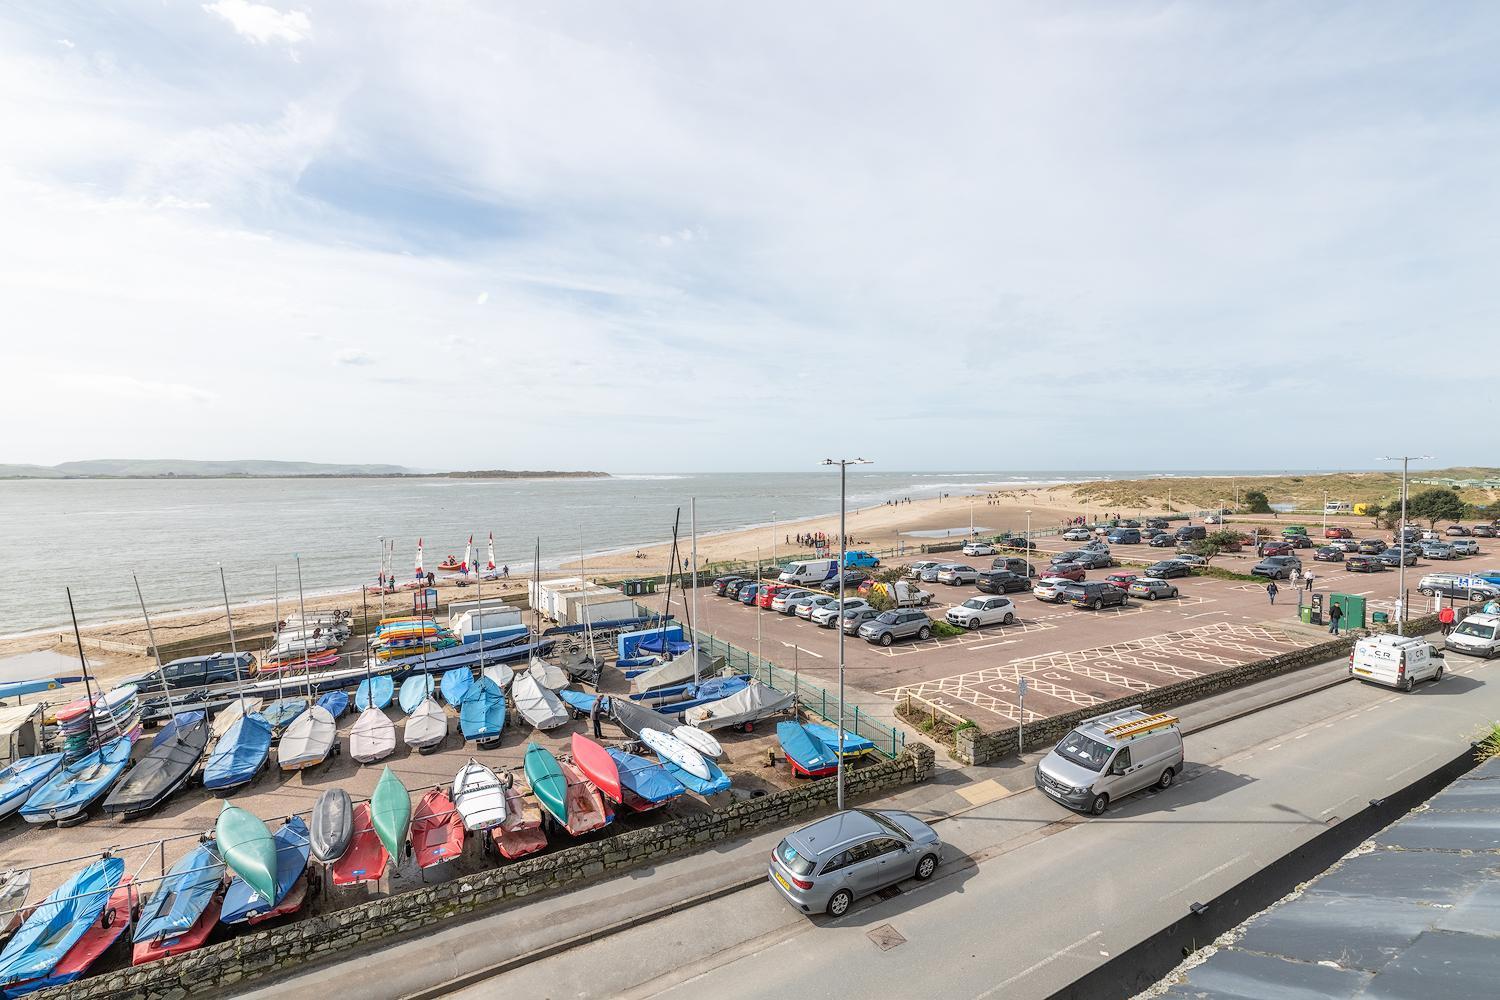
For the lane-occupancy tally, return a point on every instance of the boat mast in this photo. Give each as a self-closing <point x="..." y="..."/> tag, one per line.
<point x="276" y="629"/>
<point x="88" y="691"/>
<point x="480" y="611"/>
<point x="536" y="590"/>
<point x="161" y="674"/>
<point x="364" y="602"/>
<point x="693" y="611"/>
<point x="302" y="610"/>
<point x="671" y="565"/>
<point x="588" y="631"/>
<point x="233" y="649"/>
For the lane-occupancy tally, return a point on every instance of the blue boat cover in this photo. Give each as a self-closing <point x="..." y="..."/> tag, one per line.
<point x="336" y="703"/>
<point x="375" y="690"/>
<point x="469" y="655"/>
<point x="654" y="644"/>
<point x="455" y="684"/>
<point x="638" y="662"/>
<point x="56" y="925"/>
<point x="182" y="720"/>
<point x="19" y="780"/>
<point x="580" y="701"/>
<point x="181" y="896"/>
<point x="242" y="902"/>
<point x="854" y="744"/>
<point x="685" y="696"/>
<point x="414" y="691"/>
<point x="71" y="789"/>
<point x="804" y="749"/>
<point x="281" y="714"/>
<point x="239" y="754"/>
<point x="717" y="781"/>
<point x="646" y="778"/>
<point x="481" y="715"/>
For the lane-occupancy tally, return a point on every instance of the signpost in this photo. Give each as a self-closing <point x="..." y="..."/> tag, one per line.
<point x="1021" y="722"/>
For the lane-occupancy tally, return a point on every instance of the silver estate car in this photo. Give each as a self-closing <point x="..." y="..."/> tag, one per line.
<point x="827" y="865"/>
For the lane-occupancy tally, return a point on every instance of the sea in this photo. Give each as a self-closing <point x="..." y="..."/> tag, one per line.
<point x="95" y="536"/>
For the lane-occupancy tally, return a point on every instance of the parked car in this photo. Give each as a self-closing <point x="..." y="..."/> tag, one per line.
<point x="957" y="574"/>
<point x="1111" y="756"/>
<point x="747" y="593"/>
<point x="1068" y="571"/>
<point x="1476" y="635"/>
<point x="1121" y="580"/>
<point x="1345" y="544"/>
<point x="930" y="574"/>
<point x="852" y="620"/>
<point x="1364" y="564"/>
<point x="1049" y="588"/>
<point x="1016" y="542"/>
<point x="1095" y="595"/>
<point x="1077" y="535"/>
<point x="973" y="548"/>
<point x="859" y="557"/>
<point x="824" y="866"/>
<point x="1328" y="553"/>
<point x="980" y="611"/>
<point x="901" y="623"/>
<point x="1095" y="559"/>
<point x="1276" y="567"/>
<point x="1169" y="569"/>
<point x="1293" y="529"/>
<point x="1372" y="546"/>
<point x="766" y="593"/>
<point x="1151" y="588"/>
<point x="198" y="671"/>
<point x="1015" y="564"/>
<point x="1438" y="550"/>
<point x="852" y="579"/>
<point x="1465" y="546"/>
<point x="1456" y="531"/>
<point x="1124" y="536"/>
<point x="1191" y="533"/>
<point x="1460" y="586"/>
<point x="828" y="615"/>
<point x="916" y="569"/>
<point x="806" y="608"/>
<point x="1190" y="558"/>
<point x="1275" y="547"/>
<point x="1001" y="581"/>
<point x="1392" y="557"/>
<point x="1071" y="555"/>
<point x="1483" y="531"/>
<point x="791" y="602"/>
<point x="1162" y="541"/>
<point x="1337" y="531"/>
<point x="721" y="585"/>
<point x="732" y="590"/>
<point x="1299" y="541"/>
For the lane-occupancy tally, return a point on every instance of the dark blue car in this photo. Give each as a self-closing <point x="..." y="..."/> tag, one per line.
<point x="748" y="592"/>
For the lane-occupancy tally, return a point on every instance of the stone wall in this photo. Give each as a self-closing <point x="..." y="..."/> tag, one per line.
<point x="249" y="957"/>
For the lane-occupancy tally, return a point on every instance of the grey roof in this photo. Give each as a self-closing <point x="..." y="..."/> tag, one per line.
<point x="1416" y="917"/>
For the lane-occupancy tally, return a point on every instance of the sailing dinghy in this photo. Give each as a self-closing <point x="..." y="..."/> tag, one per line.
<point x="587" y="810"/>
<point x="70" y="791"/>
<point x="374" y="691"/>
<point x="15" y="886"/>
<point x="521" y="833"/>
<point x="179" y="914"/>
<point x="427" y="726"/>
<point x="414" y="690"/>
<point x="50" y="931"/>
<point x="437" y="830"/>
<point x="548" y="675"/>
<point x="232" y="713"/>
<point x="500" y="673"/>
<point x="289" y="847"/>
<point x="644" y="784"/>
<point x="807" y="755"/>
<point x="162" y="771"/>
<point x="481" y="716"/>
<point x="455" y="684"/>
<point x="373" y="736"/>
<point x="390" y="811"/>
<point x="19" y="780"/>
<point x="536" y="703"/>
<point x="478" y="796"/>
<point x="308" y="740"/>
<point x="335" y="703"/>
<point x="365" y="858"/>
<point x="239" y="755"/>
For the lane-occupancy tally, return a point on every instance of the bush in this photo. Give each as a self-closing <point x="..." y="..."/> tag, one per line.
<point x="1256" y="502"/>
<point x="945" y="630"/>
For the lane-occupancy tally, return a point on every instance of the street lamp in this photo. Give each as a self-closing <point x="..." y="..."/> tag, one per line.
<point x="843" y="464"/>
<point x="1405" y="460"/>
<point x="1028" y="536"/>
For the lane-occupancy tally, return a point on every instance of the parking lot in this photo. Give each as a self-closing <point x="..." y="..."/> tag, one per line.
<point x="1070" y="657"/>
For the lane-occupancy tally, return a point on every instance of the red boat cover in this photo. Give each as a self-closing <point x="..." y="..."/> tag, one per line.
<point x="437" y="830"/>
<point x="366" y="858"/>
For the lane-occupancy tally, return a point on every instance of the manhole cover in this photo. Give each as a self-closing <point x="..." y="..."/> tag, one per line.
<point x="885" y="937"/>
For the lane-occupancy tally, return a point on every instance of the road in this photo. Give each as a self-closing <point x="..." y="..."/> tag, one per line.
<point x="1030" y="897"/>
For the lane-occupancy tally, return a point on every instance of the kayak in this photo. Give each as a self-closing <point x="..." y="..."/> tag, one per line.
<point x="807" y="755"/>
<point x="248" y="849"/>
<point x="547" y="782"/>
<point x="437" y="830"/>
<point x="366" y="857"/>
<point x="700" y="741"/>
<point x="20" y="779"/>
<point x="180" y="902"/>
<point x="72" y="789"/>
<point x="455" y="683"/>
<point x="374" y="691"/>
<point x="669" y="748"/>
<point x="478" y="796"/>
<point x="162" y="771"/>
<point x="414" y="691"/>
<point x="239" y="755"/>
<point x="390" y="811"/>
<point x="332" y="826"/>
<point x="51" y="930"/>
<point x="597" y="765"/>
<point x="243" y="904"/>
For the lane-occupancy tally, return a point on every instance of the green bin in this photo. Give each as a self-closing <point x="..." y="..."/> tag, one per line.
<point x="1306" y="614"/>
<point x="649" y="586"/>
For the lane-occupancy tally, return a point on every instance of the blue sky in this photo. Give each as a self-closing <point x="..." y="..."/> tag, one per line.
<point x="725" y="236"/>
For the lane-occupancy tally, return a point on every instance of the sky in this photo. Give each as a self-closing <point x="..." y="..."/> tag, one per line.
<point x="719" y="237"/>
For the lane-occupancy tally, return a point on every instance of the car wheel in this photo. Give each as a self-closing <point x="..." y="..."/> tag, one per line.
<point x="927" y="867"/>
<point x="1439" y="675"/>
<point x="1409" y="683"/>
<point x="838" y="903"/>
<point x="1173" y="593"/>
<point x="1098" y="604"/>
<point x="1100" y="803"/>
<point x="1426" y="591"/>
<point x="1151" y="595"/>
<point x="1165" y="781"/>
<point x="886" y="638"/>
<point x="925" y="633"/>
<point x="1009" y="619"/>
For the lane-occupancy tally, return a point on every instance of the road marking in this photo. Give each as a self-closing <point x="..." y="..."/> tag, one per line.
<point x="1393" y="777"/>
<point x="1032" y="968"/>
<point x="1201" y="614"/>
<point x="1299" y="736"/>
<point x="1208" y="874"/>
<point x="984" y="792"/>
<point x="801" y="649"/>
<point x="992" y="645"/>
<point x="1274" y="746"/>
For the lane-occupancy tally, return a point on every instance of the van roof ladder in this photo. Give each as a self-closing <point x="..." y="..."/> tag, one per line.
<point x="1140" y="727"/>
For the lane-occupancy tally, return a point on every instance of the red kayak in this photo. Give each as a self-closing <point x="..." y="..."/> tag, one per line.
<point x="437" y="830"/>
<point x="193" y="937"/>
<point x="597" y="766"/>
<point x="97" y="939"/>
<point x="366" y="858"/>
<point x="290" y="903"/>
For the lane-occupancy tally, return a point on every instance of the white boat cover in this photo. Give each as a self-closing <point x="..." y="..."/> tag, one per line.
<point x="478" y="796"/>
<point x="307" y="740"/>
<point x="749" y="704"/>
<point x="373" y="736"/>
<point x="427" y="726"/>
<point x="537" y="705"/>
<point x="678" y="670"/>
<point x="549" y="675"/>
<point x="500" y="673"/>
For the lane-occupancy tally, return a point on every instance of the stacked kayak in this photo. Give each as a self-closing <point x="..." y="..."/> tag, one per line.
<point x="291" y="664"/>
<point x="408" y="635"/>
<point x="72" y="789"/>
<point x="31" y="957"/>
<point x="644" y="784"/>
<point x="808" y="755"/>
<point x="239" y="755"/>
<point x="481" y="716"/>
<point x="163" y="770"/>
<point x="247" y="903"/>
<point x="179" y="915"/>
<point x="114" y="714"/>
<point x="437" y="830"/>
<point x="20" y="779"/>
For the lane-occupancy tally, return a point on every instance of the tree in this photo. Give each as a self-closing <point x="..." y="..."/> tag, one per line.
<point x="1256" y="502"/>
<point x="1205" y="548"/>
<point x="1373" y="510"/>
<point x="1436" y="505"/>
<point x="1223" y="540"/>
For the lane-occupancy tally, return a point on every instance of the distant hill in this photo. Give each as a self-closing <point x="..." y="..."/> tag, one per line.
<point x="172" y="468"/>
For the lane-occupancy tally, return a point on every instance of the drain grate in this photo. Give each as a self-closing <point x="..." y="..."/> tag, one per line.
<point x="885" y="937"/>
<point x="890" y="892"/>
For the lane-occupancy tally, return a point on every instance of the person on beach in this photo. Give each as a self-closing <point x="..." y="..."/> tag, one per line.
<point x="1271" y="589"/>
<point x="505" y="572"/>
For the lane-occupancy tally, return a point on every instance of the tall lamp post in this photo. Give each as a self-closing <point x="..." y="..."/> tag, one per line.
<point x="1405" y="461"/>
<point x="843" y="464"/>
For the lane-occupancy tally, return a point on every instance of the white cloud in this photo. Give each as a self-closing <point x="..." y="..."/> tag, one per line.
<point x="354" y="357"/>
<point x="261" y="23"/>
<point x="65" y="43"/>
<point x="115" y="386"/>
<point x="482" y="298"/>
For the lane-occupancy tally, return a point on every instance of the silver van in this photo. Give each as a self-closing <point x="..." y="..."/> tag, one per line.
<point x="1477" y="635"/>
<point x="825" y="865"/>
<point x="1111" y="756"/>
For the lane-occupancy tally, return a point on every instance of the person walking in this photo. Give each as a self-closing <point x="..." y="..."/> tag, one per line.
<point x="1271" y="589"/>
<point x="1296" y="578"/>
<point x="1307" y="579"/>
<point x="1335" y="615"/>
<point x="1445" y="619"/>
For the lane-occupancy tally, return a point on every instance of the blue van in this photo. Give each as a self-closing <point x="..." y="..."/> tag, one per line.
<point x="859" y="557"/>
<point x="1124" y="536"/>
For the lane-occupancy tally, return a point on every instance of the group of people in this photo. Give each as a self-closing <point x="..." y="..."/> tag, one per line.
<point x="897" y="503"/>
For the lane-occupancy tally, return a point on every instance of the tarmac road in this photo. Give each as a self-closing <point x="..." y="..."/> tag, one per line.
<point x="1030" y="897"/>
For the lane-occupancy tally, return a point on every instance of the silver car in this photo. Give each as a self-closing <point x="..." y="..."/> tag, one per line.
<point x="852" y="620"/>
<point x="827" y="865"/>
<point x="957" y="574"/>
<point x="1465" y="546"/>
<point x="805" y="608"/>
<point x="829" y="613"/>
<point x="1438" y="550"/>
<point x="916" y="569"/>
<point x="790" y="603"/>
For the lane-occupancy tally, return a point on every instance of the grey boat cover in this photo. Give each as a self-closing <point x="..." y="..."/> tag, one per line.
<point x="537" y="705"/>
<point x="633" y="717"/>
<point x="308" y="738"/>
<point x="750" y="704"/>
<point x="549" y="675"/>
<point x="373" y="736"/>
<point x="427" y="726"/>
<point x="332" y="826"/>
<point x="678" y="670"/>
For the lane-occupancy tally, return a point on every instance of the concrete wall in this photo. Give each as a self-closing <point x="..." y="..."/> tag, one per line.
<point x="248" y="957"/>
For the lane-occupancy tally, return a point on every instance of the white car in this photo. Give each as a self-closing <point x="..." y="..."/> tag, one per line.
<point x="956" y="574"/>
<point x="977" y="611"/>
<point x="1189" y="558"/>
<point x="806" y="608"/>
<point x="1048" y="587"/>
<point x="979" y="549"/>
<point x="916" y="569"/>
<point x="788" y="602"/>
<point x="828" y="615"/>
<point x="1077" y="535"/>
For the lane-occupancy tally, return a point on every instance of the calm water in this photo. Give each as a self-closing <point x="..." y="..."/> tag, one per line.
<point x="92" y="534"/>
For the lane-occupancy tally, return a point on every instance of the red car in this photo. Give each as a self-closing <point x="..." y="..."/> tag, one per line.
<point x="864" y="589"/>
<point x="1068" y="571"/>
<point x="1334" y="531"/>
<point x="1268" y="549"/>
<point x="1121" y="580"/>
<point x="768" y="592"/>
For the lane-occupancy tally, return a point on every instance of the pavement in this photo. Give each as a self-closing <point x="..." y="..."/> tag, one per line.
<point x="1265" y="774"/>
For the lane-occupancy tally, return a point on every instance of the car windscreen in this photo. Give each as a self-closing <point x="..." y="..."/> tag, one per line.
<point x="1475" y="629"/>
<point x="886" y="824"/>
<point x="795" y="862"/>
<point x="889" y="617"/>
<point x="1083" y="751"/>
<point x="975" y="602"/>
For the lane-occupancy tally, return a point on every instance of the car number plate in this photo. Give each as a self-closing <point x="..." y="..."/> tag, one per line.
<point x="784" y="884"/>
<point x="1363" y="671"/>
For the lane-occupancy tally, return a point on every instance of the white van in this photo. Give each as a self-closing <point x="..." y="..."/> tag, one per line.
<point x="1397" y="661"/>
<point x="810" y="571"/>
<point x="1476" y="635"/>
<point x="1338" y="507"/>
<point x="1111" y="756"/>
